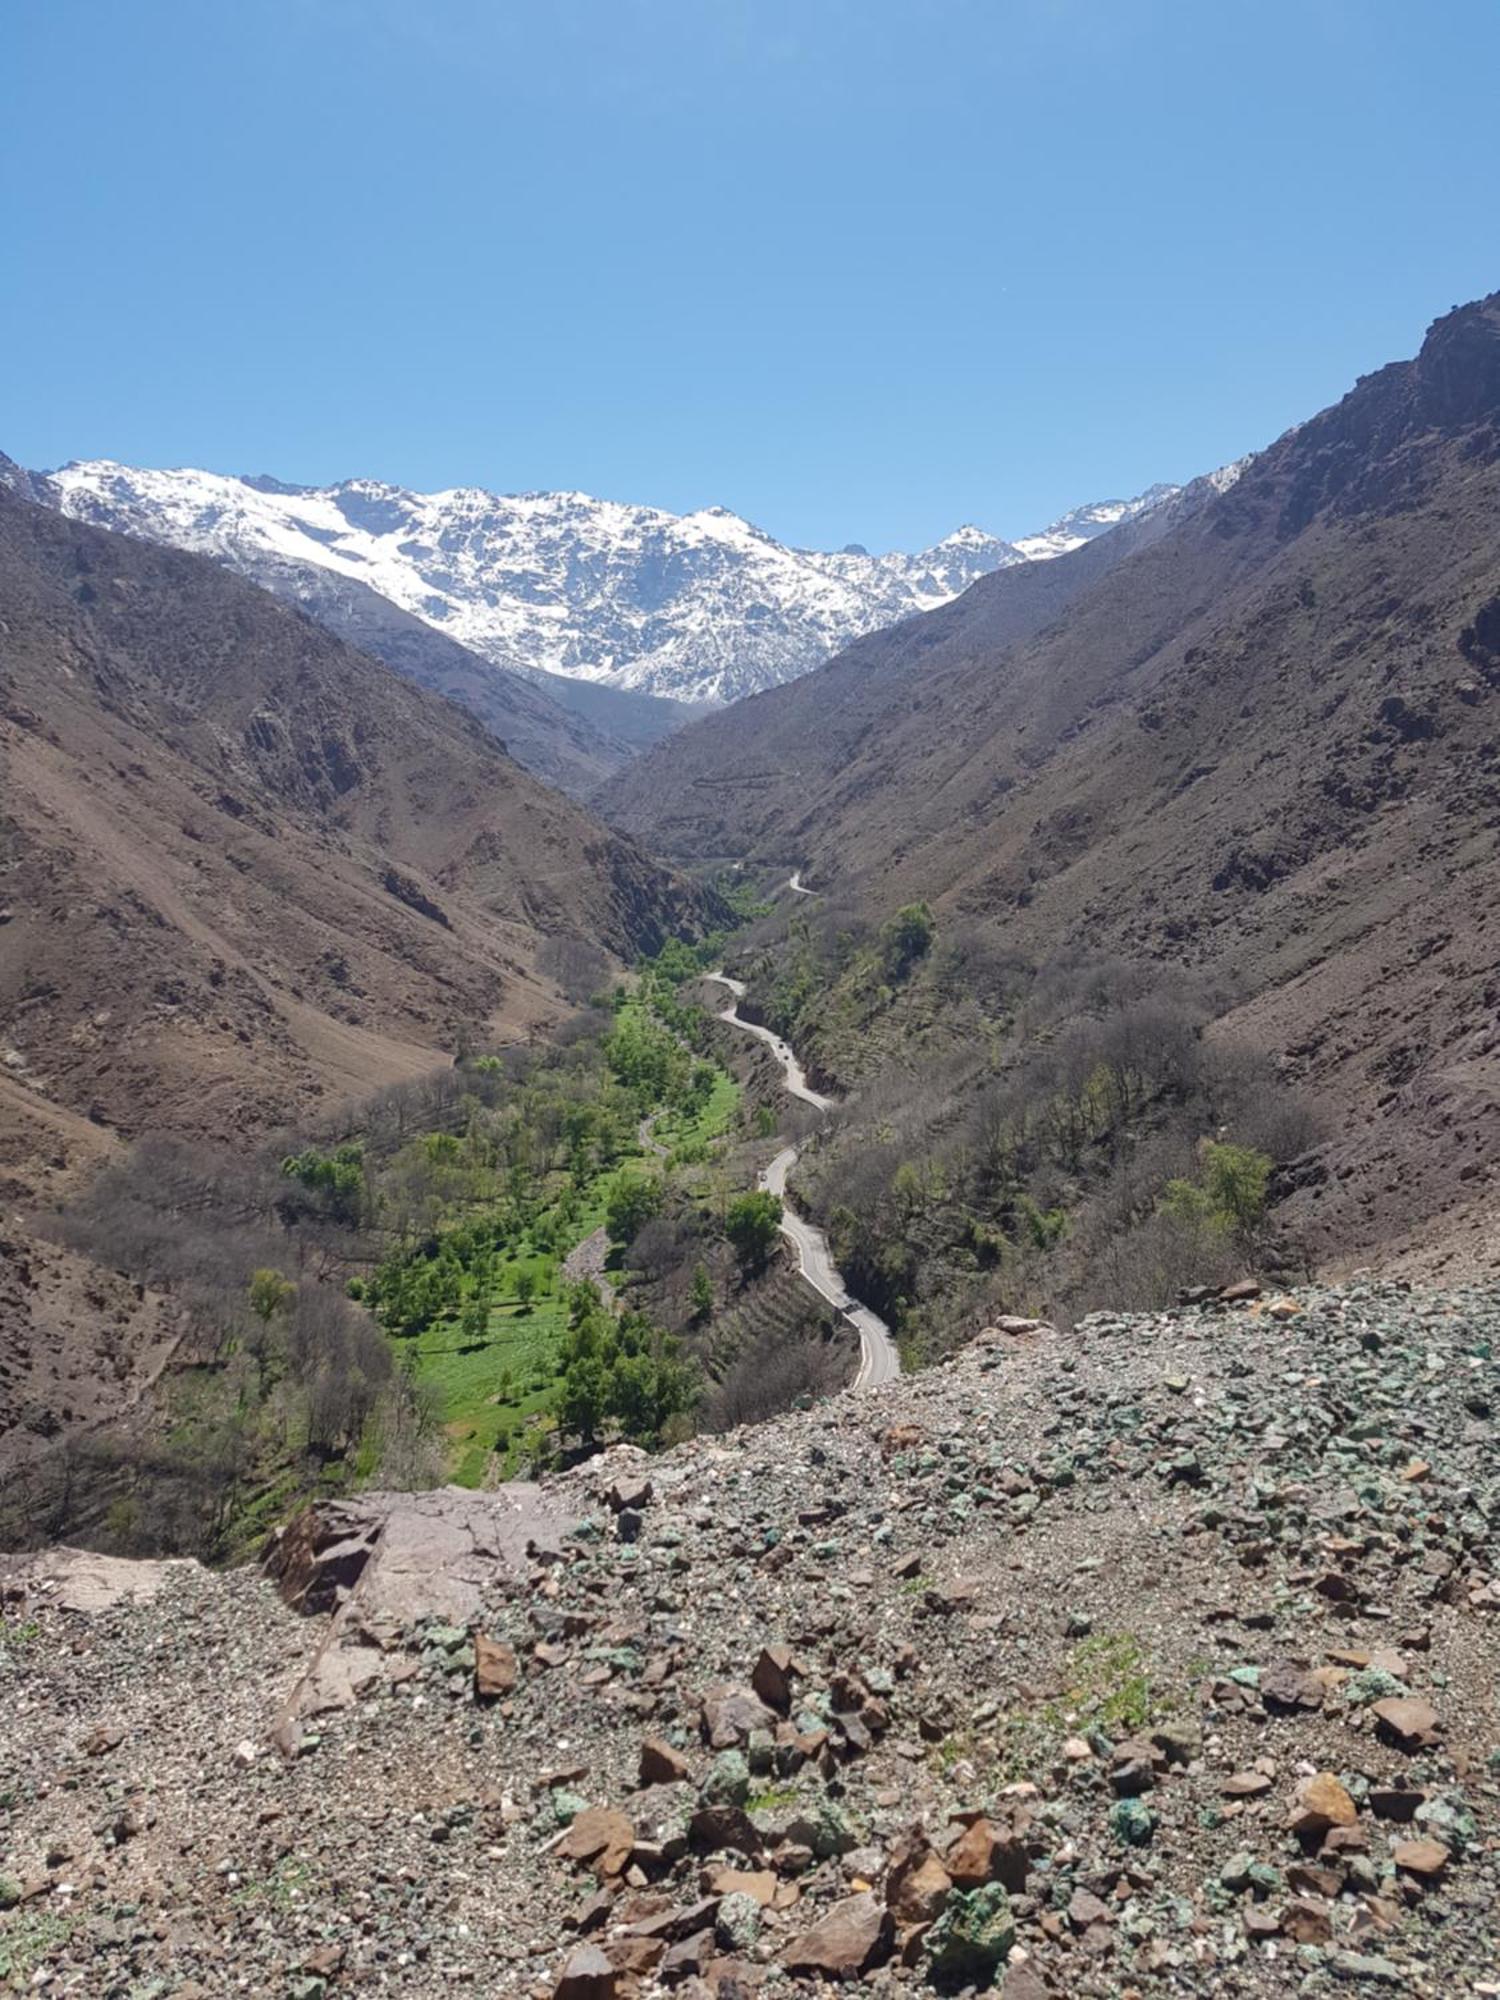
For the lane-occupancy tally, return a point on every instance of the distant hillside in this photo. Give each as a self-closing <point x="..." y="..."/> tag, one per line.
<point x="1261" y="746"/>
<point x="573" y="734"/>
<point x="246" y="868"/>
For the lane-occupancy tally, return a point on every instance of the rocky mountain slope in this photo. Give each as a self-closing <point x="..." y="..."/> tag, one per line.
<point x="572" y="734"/>
<point x="247" y="868"/>
<point x="1156" y="1658"/>
<point x="701" y="607"/>
<point x="1260" y="747"/>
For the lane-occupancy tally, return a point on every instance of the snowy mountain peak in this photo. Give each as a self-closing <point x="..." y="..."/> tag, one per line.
<point x="703" y="606"/>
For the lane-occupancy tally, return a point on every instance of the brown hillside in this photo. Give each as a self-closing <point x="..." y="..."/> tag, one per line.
<point x="1266" y="745"/>
<point x="246" y="868"/>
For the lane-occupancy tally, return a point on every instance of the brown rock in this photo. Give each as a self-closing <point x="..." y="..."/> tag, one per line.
<point x="602" y="1835"/>
<point x="1288" y="1687"/>
<point x="496" y="1670"/>
<point x="1024" y="1982"/>
<point x="1420" y="1857"/>
<point x="660" y="1764"/>
<point x="682" y="1920"/>
<point x="1307" y="1922"/>
<point x="983" y="1853"/>
<point x="594" y="1914"/>
<point x="1085" y="1909"/>
<point x="1320" y="1803"/>
<point x="1336" y="1587"/>
<point x="634" y="1955"/>
<point x="773" y="1676"/>
<point x="630" y="1493"/>
<point x="587" y="1975"/>
<point x="1132" y="1767"/>
<point x="760" y="1883"/>
<point x="944" y="1599"/>
<point x="917" y="1885"/>
<point x="1245" y="1785"/>
<point x="713" y="1827"/>
<point x="855" y="1935"/>
<point x="730" y="1714"/>
<point x="1304" y="1878"/>
<point x="688" y="1958"/>
<point x="1407" y="1722"/>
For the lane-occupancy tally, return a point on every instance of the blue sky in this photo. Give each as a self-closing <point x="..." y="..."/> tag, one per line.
<point x="859" y="269"/>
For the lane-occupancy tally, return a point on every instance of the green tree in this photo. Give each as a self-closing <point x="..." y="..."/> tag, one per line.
<point x="905" y="938"/>
<point x="702" y="1293"/>
<point x="525" y="1288"/>
<point x="633" y="1200"/>
<point x="1236" y="1178"/>
<point x="271" y="1294"/>
<point x="338" y="1176"/>
<point x="751" y="1223"/>
<point x="1229" y="1195"/>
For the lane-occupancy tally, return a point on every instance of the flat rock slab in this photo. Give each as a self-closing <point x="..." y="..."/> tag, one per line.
<point x="405" y="1556"/>
<point x="79" y="1580"/>
<point x="381" y="1562"/>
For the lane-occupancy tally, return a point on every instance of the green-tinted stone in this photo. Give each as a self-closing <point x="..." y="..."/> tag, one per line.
<point x="972" y="1938"/>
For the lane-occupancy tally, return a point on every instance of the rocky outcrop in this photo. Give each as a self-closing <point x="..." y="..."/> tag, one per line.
<point x="1155" y="1655"/>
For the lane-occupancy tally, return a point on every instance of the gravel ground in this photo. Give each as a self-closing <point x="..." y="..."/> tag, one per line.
<point x="1156" y="1658"/>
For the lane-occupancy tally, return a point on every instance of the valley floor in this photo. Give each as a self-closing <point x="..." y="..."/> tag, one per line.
<point x="1157" y="1655"/>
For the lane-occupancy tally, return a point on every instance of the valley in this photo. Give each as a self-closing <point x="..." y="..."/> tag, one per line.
<point x="879" y="1361"/>
<point x="837" y="1425"/>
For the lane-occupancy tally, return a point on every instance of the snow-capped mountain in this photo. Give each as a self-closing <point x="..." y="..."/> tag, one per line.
<point x="702" y="607"/>
<point x="1084" y="523"/>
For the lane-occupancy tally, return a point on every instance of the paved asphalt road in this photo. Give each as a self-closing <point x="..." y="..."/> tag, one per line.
<point x="878" y="1359"/>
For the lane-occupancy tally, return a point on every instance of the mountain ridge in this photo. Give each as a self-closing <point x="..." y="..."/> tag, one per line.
<point x="701" y="607"/>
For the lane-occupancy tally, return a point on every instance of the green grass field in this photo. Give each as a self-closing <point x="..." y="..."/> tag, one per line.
<point x="488" y="1390"/>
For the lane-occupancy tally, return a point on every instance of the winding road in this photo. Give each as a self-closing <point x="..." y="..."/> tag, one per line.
<point x="878" y="1359"/>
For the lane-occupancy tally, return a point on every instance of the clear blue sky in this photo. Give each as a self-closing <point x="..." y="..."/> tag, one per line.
<point x="859" y="269"/>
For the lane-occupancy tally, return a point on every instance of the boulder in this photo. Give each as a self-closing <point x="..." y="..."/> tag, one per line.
<point x="972" y="1939"/>
<point x="601" y="1835"/>
<point x="660" y="1764"/>
<point x="1321" y="1802"/>
<point x="587" y="1975"/>
<point x="1307" y="1922"/>
<point x="773" y="1676"/>
<point x="855" y="1936"/>
<point x="1407" y="1722"/>
<point x="917" y="1885"/>
<point x="1420" y="1857"/>
<point x="731" y="1714"/>
<point x="984" y="1853"/>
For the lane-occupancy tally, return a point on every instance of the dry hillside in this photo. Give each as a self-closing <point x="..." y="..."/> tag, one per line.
<point x="245" y="873"/>
<point x="1263" y="746"/>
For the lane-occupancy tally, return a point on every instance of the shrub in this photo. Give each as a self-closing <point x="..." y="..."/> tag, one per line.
<point x="904" y="939"/>
<point x="751" y="1223"/>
